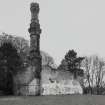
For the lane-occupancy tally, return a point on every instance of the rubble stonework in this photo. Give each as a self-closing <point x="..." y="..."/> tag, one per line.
<point x="59" y="82"/>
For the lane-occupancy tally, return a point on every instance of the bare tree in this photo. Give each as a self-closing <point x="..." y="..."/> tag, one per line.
<point x="48" y="61"/>
<point x="87" y="73"/>
<point x="94" y="73"/>
<point x="99" y="72"/>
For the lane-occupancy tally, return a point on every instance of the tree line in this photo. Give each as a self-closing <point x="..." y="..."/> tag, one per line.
<point x="91" y="69"/>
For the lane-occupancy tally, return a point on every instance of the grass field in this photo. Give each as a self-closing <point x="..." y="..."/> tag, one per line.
<point x="53" y="100"/>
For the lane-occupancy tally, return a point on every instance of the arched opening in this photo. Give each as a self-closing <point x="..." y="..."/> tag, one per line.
<point x="10" y="63"/>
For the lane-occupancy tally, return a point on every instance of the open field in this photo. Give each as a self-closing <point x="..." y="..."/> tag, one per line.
<point x="53" y="100"/>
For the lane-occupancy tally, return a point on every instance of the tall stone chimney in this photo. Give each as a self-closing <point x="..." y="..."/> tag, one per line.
<point x="35" y="56"/>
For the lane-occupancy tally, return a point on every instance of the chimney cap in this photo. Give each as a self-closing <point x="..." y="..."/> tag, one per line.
<point x="34" y="7"/>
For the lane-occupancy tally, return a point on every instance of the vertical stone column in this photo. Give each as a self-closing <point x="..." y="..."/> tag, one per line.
<point x="35" y="56"/>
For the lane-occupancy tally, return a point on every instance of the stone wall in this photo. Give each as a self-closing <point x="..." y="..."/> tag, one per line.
<point x="59" y="82"/>
<point x="59" y="88"/>
<point x="54" y="82"/>
<point x="22" y="80"/>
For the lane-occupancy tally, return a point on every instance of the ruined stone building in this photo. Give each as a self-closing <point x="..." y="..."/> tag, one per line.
<point x="25" y="70"/>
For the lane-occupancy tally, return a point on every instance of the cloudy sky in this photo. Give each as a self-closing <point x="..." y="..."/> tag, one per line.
<point x="66" y="24"/>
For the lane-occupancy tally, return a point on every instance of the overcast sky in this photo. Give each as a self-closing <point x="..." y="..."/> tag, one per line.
<point x="66" y="24"/>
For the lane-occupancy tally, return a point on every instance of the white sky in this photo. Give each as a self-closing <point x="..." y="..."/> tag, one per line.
<point x="66" y="24"/>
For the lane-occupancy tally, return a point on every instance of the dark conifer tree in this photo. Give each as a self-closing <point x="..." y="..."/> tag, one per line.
<point x="72" y="63"/>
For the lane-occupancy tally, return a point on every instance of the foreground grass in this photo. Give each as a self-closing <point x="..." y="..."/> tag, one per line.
<point x="53" y="100"/>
